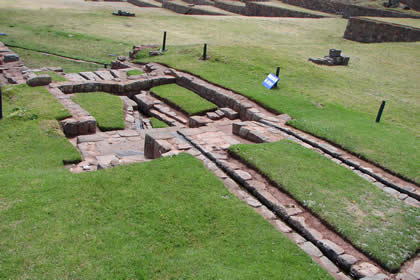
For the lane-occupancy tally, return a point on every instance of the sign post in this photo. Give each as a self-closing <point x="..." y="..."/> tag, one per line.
<point x="277" y="74"/>
<point x="381" y="109"/>
<point x="164" y="41"/>
<point x="205" y="52"/>
<point x="1" y="106"/>
<point x="270" y="81"/>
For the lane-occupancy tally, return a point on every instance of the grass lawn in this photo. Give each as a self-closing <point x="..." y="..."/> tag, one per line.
<point x="157" y="123"/>
<point x="377" y="223"/>
<point x="134" y="72"/>
<point x="183" y="99"/>
<point x="54" y="76"/>
<point x="143" y="221"/>
<point x="34" y="59"/>
<point x="387" y="143"/>
<point x="106" y="108"/>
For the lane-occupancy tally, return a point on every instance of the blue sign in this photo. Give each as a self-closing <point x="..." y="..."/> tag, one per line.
<point x="270" y="81"/>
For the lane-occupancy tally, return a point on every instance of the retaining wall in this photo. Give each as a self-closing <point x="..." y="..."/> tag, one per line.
<point x="140" y="3"/>
<point x="262" y="10"/>
<point x="346" y="10"/>
<point x="413" y="4"/>
<point x="186" y="10"/>
<point x="199" y="2"/>
<point x="371" y="31"/>
<point x="242" y="10"/>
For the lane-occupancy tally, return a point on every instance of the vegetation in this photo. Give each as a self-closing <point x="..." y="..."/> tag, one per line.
<point x="355" y="208"/>
<point x="34" y="60"/>
<point x="134" y="72"/>
<point x="54" y="76"/>
<point x="111" y="225"/>
<point x="386" y="143"/>
<point x="184" y="99"/>
<point x="157" y="123"/>
<point x="106" y="108"/>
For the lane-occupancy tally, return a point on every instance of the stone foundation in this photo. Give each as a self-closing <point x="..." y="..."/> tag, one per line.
<point x="187" y="10"/>
<point x="263" y="10"/>
<point x="371" y="31"/>
<point x="333" y="7"/>
<point x="128" y="88"/>
<point x="239" y="8"/>
<point x="144" y="4"/>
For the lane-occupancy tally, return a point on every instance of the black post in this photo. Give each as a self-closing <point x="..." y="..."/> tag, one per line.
<point x="381" y="109"/>
<point x="105" y="65"/>
<point x="277" y="74"/>
<point x="205" y="52"/>
<point x="164" y="41"/>
<point x="1" y="106"/>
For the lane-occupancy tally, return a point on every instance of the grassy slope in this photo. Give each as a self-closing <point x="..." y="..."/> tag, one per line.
<point x="186" y="100"/>
<point x="106" y="108"/>
<point x="379" y="224"/>
<point x="143" y="221"/>
<point x="157" y="123"/>
<point x="34" y="60"/>
<point x="386" y="143"/>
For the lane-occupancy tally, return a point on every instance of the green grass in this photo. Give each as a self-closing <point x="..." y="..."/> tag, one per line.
<point x="34" y="60"/>
<point x="377" y="223"/>
<point x="49" y="40"/>
<point x="54" y="76"/>
<point x="143" y="221"/>
<point x="157" y="123"/>
<point x="106" y="108"/>
<point x="403" y="21"/>
<point x="184" y="99"/>
<point x="387" y="143"/>
<point x="134" y="72"/>
<point x="30" y="126"/>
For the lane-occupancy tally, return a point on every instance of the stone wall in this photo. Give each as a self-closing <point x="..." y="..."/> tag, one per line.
<point x="262" y="10"/>
<point x="347" y="10"/>
<point x="413" y="4"/>
<point x="127" y="88"/>
<point x="241" y="10"/>
<point x="199" y="2"/>
<point x="140" y="3"/>
<point x="371" y="31"/>
<point x="186" y="10"/>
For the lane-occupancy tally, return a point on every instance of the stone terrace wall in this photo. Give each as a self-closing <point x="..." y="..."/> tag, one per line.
<point x="262" y="10"/>
<point x="140" y="3"/>
<point x="333" y="7"/>
<point x="371" y="31"/>
<point x="413" y="4"/>
<point x="199" y="2"/>
<point x="186" y="10"/>
<point x="242" y="10"/>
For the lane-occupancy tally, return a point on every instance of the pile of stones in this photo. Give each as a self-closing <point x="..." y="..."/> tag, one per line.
<point x="123" y="14"/>
<point x="333" y="59"/>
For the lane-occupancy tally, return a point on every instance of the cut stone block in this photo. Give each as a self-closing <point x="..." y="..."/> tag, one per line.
<point x="229" y="113"/>
<point x="198" y="121"/>
<point x="40" y="80"/>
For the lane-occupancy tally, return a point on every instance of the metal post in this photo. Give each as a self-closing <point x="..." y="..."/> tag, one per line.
<point x="1" y="105"/>
<point x="205" y="52"/>
<point x="277" y="74"/>
<point x="381" y="109"/>
<point x="164" y="41"/>
<point x="105" y="65"/>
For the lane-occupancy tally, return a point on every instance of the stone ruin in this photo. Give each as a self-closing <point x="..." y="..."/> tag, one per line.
<point x="392" y="4"/>
<point x="123" y="14"/>
<point x="333" y="59"/>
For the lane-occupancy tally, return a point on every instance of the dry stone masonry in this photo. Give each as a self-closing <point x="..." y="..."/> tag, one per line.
<point x="207" y="137"/>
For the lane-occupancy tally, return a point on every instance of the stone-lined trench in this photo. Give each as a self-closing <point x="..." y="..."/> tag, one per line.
<point x="238" y="120"/>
